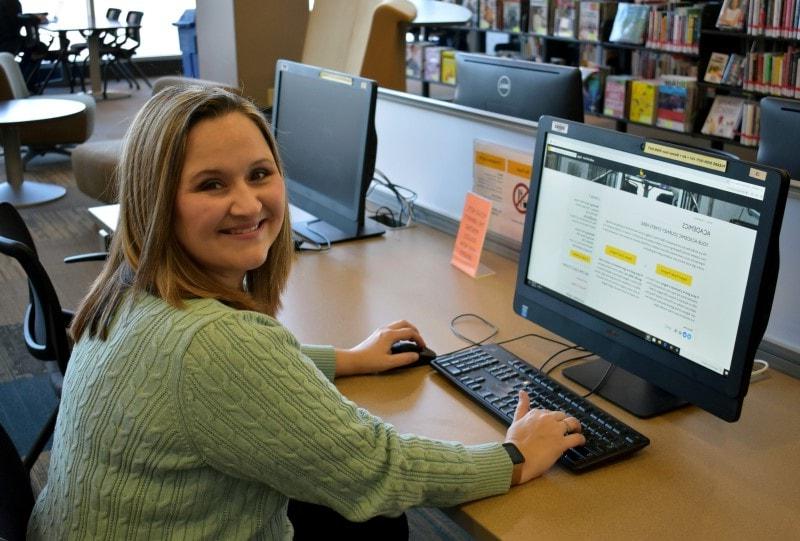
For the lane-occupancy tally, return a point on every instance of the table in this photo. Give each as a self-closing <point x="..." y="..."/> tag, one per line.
<point x="13" y="113"/>
<point x="700" y="478"/>
<point x="95" y="27"/>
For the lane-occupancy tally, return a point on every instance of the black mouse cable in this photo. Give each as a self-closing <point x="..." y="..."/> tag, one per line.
<point x="535" y="335"/>
<point x="494" y="330"/>
<point x="406" y="201"/>
<point x="555" y="356"/>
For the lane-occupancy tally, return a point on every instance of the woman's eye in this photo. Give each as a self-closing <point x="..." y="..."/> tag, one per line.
<point x="211" y="185"/>
<point x="260" y="174"/>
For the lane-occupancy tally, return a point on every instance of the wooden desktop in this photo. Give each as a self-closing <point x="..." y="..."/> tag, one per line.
<point x="700" y="478"/>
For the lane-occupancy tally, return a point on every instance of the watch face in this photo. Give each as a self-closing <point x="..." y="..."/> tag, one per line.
<point x="514" y="453"/>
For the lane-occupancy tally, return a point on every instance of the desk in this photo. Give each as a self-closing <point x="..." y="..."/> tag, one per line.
<point x="95" y="27"/>
<point x="701" y="478"/>
<point x="13" y="113"/>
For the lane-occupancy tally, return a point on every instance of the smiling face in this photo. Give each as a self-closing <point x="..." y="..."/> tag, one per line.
<point x="229" y="207"/>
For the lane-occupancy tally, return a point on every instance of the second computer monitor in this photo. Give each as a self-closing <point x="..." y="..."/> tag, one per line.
<point x="518" y="88"/>
<point x="324" y="125"/>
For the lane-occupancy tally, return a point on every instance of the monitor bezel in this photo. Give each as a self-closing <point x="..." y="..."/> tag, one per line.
<point x="349" y="219"/>
<point x="719" y="394"/>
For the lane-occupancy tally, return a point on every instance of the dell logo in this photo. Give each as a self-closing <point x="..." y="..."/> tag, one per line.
<point x="504" y="86"/>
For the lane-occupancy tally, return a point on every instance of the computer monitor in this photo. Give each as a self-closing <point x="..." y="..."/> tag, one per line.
<point x="659" y="259"/>
<point x="324" y="125"/>
<point x="518" y="88"/>
<point x="779" y="132"/>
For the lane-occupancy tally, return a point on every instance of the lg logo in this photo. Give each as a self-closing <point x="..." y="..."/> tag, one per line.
<point x="503" y="85"/>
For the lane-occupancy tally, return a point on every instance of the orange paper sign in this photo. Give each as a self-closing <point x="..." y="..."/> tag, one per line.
<point x="471" y="234"/>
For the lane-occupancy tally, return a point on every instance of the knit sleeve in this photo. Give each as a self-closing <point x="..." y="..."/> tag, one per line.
<point x="323" y="357"/>
<point x="255" y="407"/>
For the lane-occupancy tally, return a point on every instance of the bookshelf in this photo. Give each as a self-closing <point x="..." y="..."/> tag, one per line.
<point x="677" y="38"/>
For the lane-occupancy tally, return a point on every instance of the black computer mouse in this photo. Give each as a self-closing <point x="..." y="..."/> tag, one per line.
<point x="426" y="355"/>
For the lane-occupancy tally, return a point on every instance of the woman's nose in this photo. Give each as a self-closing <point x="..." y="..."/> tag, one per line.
<point x="244" y="200"/>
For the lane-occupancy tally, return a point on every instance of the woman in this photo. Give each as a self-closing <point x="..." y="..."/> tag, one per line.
<point x="187" y="409"/>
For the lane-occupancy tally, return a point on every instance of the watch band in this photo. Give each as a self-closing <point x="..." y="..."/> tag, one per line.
<point x="514" y="453"/>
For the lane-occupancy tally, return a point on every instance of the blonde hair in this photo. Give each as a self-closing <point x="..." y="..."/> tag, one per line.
<point x="145" y="255"/>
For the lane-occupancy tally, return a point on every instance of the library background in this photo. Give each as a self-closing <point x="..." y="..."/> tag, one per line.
<point x="698" y="68"/>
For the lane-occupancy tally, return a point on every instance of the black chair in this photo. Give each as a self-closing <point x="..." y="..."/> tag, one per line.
<point x="16" y="496"/>
<point x="778" y="135"/>
<point x="45" y="323"/>
<point x="107" y="38"/>
<point x="119" y="55"/>
<point x="35" y="51"/>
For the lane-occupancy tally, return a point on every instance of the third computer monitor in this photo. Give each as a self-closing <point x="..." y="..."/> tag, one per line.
<point x="324" y="125"/>
<point x="660" y="259"/>
<point x="519" y="88"/>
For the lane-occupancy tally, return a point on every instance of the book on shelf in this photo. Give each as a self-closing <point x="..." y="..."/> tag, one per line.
<point x="539" y="17"/>
<point x="644" y="94"/>
<point x="489" y="19"/>
<point x="724" y="117"/>
<point x="732" y="14"/>
<point x="565" y="18"/>
<point x="773" y="18"/>
<point x="751" y="120"/>
<point x="630" y="23"/>
<point x="732" y="75"/>
<point x="716" y="68"/>
<point x="676" y="103"/>
<point x="617" y="93"/>
<point x="772" y="73"/>
<point x="448" y="73"/>
<point x="432" y="62"/>
<point x="593" y="87"/>
<point x="593" y="18"/>
<point x="512" y="15"/>
<point x="675" y="28"/>
<point x="415" y="59"/>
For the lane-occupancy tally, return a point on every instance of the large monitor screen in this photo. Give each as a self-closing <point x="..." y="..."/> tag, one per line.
<point x="323" y="122"/>
<point x="519" y="88"/>
<point x="660" y="259"/>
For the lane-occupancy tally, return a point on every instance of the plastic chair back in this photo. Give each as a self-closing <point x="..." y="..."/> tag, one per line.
<point x="44" y="326"/>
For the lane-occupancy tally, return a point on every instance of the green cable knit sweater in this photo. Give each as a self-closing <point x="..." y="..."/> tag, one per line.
<point x="200" y="423"/>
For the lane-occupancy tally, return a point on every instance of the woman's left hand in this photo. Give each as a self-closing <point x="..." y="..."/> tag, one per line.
<point x="374" y="354"/>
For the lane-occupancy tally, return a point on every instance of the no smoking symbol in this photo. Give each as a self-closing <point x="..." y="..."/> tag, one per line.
<point x="520" y="197"/>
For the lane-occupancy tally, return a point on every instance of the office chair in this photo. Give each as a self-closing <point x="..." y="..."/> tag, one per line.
<point x="119" y="54"/>
<point x="77" y="49"/>
<point x="45" y="322"/>
<point x="778" y="135"/>
<point x="46" y="135"/>
<point x="16" y="496"/>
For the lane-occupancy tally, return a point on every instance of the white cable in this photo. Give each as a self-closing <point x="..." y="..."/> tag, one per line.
<point x="758" y="371"/>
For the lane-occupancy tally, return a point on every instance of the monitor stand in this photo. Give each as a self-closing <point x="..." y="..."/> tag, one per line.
<point x="624" y="389"/>
<point x="319" y="231"/>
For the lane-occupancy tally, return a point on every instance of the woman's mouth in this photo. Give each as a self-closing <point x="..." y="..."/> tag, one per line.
<point x="243" y="230"/>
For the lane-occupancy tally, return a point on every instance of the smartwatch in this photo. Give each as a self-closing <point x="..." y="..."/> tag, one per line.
<point x="514" y="453"/>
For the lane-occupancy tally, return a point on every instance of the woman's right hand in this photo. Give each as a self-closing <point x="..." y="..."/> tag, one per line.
<point x="542" y="436"/>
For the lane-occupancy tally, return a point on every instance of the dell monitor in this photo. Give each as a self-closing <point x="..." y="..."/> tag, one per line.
<point x="324" y="125"/>
<point x="779" y="130"/>
<point x="518" y="88"/>
<point x="661" y="260"/>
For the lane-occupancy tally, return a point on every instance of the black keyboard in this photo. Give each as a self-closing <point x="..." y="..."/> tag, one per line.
<point x="492" y="377"/>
